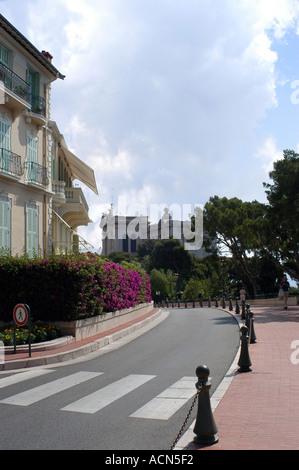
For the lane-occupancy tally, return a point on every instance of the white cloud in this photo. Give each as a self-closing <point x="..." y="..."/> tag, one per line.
<point x="268" y="153"/>
<point x="164" y="98"/>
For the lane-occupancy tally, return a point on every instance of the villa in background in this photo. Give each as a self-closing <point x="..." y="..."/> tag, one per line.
<point x="124" y="233"/>
<point x="40" y="208"/>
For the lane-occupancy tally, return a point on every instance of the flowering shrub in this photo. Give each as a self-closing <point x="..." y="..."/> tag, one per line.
<point x="69" y="287"/>
<point x="123" y="288"/>
<point x="39" y="333"/>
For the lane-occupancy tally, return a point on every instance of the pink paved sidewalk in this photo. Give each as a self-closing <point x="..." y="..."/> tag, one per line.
<point x="72" y="346"/>
<point x="260" y="408"/>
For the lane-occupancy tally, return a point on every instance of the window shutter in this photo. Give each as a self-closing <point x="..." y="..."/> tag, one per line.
<point x="4" y="135"/>
<point x="4" y="55"/>
<point x="32" y="231"/>
<point x="4" y="224"/>
<point x="32" y="158"/>
<point x="32" y="149"/>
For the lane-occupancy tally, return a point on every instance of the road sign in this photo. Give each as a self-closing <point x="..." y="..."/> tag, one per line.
<point x="20" y="314"/>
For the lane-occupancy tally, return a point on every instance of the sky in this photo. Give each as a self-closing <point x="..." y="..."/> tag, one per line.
<point x="171" y="102"/>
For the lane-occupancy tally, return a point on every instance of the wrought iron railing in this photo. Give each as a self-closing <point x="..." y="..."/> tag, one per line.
<point x="10" y="163"/>
<point x="15" y="83"/>
<point x="38" y="105"/>
<point x="36" y="173"/>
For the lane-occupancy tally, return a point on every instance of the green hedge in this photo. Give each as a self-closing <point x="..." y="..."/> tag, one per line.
<point x="68" y="287"/>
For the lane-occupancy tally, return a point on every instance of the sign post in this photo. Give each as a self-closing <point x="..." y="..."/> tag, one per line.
<point x="21" y="315"/>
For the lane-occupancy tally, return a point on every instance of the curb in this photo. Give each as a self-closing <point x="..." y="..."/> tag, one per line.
<point x="80" y="351"/>
<point x="186" y="441"/>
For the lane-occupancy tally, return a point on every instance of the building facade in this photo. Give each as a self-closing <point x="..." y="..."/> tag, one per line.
<point x="36" y="176"/>
<point x="125" y="233"/>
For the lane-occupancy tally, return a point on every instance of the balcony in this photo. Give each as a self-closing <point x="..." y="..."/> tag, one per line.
<point x="36" y="174"/>
<point x="10" y="164"/>
<point x="17" y="95"/>
<point x="17" y="91"/>
<point x="37" y="114"/>
<point x="75" y="209"/>
<point x="58" y="188"/>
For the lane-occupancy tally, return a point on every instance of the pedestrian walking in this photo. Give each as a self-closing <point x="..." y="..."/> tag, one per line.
<point x="242" y="294"/>
<point x="285" y="285"/>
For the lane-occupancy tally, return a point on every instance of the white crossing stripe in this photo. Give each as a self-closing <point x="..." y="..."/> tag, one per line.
<point x="169" y="401"/>
<point x="107" y="395"/>
<point x="21" y="377"/>
<point x="44" y="391"/>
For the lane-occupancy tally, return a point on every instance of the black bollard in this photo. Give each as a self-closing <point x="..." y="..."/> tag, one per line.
<point x="244" y="359"/>
<point x="252" y="336"/>
<point x="200" y="302"/>
<point x="216" y="303"/>
<point x="247" y="321"/>
<point x="230" y="304"/>
<point x="243" y="316"/>
<point x="237" y="307"/>
<point x="209" y="302"/>
<point x="223" y="302"/>
<point x="205" y="427"/>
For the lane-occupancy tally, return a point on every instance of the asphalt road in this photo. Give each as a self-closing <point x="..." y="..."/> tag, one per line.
<point x="63" y="408"/>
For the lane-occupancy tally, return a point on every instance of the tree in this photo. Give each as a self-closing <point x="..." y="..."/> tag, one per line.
<point x="162" y="284"/>
<point x="232" y="223"/>
<point x="279" y="229"/>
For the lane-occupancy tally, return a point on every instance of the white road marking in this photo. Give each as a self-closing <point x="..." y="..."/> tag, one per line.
<point x="107" y="395"/>
<point x="44" y="391"/>
<point x="21" y="377"/>
<point x="169" y="401"/>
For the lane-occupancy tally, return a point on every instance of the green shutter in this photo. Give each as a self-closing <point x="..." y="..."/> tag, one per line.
<point x="4" y="145"/>
<point x="4" y="55"/>
<point x="32" y="149"/>
<point x="4" y="135"/>
<point x="32" y="157"/>
<point x="4" y="224"/>
<point x="53" y="161"/>
<point x="36" y="88"/>
<point x="32" y="231"/>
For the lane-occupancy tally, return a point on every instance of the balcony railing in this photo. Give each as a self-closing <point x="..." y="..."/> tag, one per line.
<point x="10" y="163"/>
<point x="36" y="173"/>
<point x="22" y="89"/>
<point x="38" y="105"/>
<point x="15" y="83"/>
<point x="75" y="195"/>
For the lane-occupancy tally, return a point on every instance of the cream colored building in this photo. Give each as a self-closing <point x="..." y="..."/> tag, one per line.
<point x="69" y="206"/>
<point x="39" y="207"/>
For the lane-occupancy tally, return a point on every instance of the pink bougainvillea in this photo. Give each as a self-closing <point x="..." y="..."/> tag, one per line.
<point x="68" y="288"/>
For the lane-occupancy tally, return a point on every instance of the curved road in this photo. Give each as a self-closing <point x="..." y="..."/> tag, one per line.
<point x="63" y="409"/>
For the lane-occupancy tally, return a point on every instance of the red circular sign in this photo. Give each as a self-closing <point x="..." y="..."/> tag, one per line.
<point x="20" y="315"/>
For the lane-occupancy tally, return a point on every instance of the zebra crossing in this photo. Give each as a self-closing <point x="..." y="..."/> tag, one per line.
<point x="160" y="407"/>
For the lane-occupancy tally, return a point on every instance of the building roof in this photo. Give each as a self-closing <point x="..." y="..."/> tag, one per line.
<point x="28" y="46"/>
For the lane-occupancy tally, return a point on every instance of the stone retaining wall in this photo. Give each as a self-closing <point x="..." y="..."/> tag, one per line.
<point x="82" y="329"/>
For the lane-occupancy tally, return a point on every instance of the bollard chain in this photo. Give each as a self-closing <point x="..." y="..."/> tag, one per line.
<point x="188" y="416"/>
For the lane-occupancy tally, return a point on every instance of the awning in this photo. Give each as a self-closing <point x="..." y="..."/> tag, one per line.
<point x="80" y="170"/>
